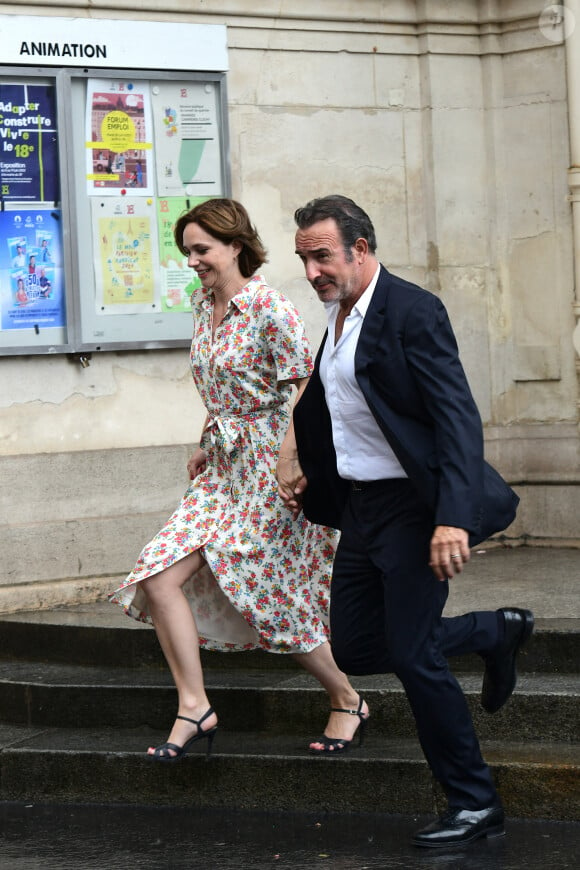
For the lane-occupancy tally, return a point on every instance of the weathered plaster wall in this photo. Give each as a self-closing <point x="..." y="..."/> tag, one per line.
<point x="448" y="122"/>
<point x="52" y="405"/>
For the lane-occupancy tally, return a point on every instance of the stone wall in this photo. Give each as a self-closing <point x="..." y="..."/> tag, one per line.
<point x="448" y="123"/>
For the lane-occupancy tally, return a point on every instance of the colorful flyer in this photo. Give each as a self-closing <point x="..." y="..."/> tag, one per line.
<point x="31" y="275"/>
<point x="178" y="281"/>
<point x="187" y="142"/>
<point x="119" y="140"/>
<point x="125" y="244"/>
<point x="28" y="144"/>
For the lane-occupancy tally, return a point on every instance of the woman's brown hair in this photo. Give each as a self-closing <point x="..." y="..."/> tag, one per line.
<point x="228" y="221"/>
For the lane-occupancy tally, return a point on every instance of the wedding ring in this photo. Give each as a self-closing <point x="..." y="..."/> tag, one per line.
<point x="455" y="555"/>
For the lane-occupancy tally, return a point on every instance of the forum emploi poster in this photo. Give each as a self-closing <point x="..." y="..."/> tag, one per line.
<point x="119" y="146"/>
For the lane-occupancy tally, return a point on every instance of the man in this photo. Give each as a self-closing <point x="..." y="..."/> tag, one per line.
<point x="45" y="251"/>
<point x="44" y="282"/>
<point x="390" y="450"/>
<point x="20" y="258"/>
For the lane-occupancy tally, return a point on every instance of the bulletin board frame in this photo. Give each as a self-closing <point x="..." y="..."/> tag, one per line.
<point x="136" y="148"/>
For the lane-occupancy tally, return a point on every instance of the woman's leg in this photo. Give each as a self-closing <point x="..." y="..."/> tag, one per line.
<point x="320" y="663"/>
<point x="177" y="634"/>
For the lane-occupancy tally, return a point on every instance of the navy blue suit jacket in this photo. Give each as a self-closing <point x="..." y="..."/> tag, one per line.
<point x="408" y="368"/>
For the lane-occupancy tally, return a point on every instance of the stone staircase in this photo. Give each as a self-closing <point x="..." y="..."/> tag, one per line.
<point x="85" y="690"/>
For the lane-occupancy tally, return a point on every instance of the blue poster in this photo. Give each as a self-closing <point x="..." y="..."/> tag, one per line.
<point x="31" y="274"/>
<point x="28" y="144"/>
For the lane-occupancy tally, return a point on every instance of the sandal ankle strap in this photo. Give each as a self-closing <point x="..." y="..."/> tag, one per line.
<point x="357" y="712"/>
<point x="197" y="722"/>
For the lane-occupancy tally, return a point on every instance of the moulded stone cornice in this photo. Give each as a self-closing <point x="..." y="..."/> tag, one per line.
<point x="387" y="27"/>
<point x="459" y="13"/>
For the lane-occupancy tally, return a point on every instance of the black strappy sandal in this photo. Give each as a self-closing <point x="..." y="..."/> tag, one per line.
<point x="336" y="745"/>
<point x="181" y="750"/>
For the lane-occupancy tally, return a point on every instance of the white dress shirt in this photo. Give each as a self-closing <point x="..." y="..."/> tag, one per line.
<point x="362" y="451"/>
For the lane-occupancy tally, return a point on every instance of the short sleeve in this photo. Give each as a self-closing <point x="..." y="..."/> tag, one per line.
<point x="285" y="335"/>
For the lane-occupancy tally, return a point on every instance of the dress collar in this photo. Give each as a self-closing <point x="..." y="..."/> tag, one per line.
<point x="242" y="300"/>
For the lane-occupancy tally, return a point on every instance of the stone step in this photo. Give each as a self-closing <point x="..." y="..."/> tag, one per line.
<point x="254" y="770"/>
<point x="104" y="636"/>
<point x="84" y="691"/>
<point x="544" y="707"/>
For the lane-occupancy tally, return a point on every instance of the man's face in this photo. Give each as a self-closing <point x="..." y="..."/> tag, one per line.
<point x="333" y="275"/>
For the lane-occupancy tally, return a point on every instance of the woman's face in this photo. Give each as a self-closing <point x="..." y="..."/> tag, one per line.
<point x="216" y="263"/>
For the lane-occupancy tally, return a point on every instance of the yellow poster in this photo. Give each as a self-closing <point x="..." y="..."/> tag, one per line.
<point x="118" y="138"/>
<point x="126" y="262"/>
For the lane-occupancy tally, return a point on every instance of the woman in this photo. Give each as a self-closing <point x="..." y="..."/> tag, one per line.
<point x="232" y="569"/>
<point x="21" y="294"/>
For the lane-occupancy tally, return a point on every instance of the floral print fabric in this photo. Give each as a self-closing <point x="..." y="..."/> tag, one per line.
<point x="266" y="582"/>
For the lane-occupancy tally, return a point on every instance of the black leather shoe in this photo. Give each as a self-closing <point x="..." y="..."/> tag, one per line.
<point x="499" y="679"/>
<point x="459" y="827"/>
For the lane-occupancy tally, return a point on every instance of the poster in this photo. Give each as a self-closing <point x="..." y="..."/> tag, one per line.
<point x="126" y="263"/>
<point x="28" y="144"/>
<point x="187" y="142"/>
<point x="31" y="274"/>
<point x="178" y="281"/>
<point x="118" y="138"/>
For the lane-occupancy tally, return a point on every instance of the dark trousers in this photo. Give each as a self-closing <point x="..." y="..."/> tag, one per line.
<point x="385" y="616"/>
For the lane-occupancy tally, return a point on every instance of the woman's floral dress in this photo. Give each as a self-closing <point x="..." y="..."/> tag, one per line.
<point x="266" y="582"/>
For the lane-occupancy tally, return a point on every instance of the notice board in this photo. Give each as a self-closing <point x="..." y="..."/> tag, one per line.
<point x="96" y="164"/>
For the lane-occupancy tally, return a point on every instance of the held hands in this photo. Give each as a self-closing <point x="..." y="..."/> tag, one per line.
<point x="449" y="551"/>
<point x="291" y="483"/>
<point x="197" y="463"/>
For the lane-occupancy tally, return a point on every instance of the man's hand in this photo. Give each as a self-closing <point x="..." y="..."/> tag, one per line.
<point x="291" y="483"/>
<point x="197" y="463"/>
<point x="449" y="551"/>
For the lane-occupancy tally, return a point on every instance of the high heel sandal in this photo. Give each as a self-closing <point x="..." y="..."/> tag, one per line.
<point x="181" y="750"/>
<point x="336" y="745"/>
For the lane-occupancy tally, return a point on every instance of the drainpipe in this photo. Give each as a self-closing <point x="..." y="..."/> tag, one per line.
<point x="572" y="48"/>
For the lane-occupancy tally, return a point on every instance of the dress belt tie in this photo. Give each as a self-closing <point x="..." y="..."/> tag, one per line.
<point x="224" y="430"/>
